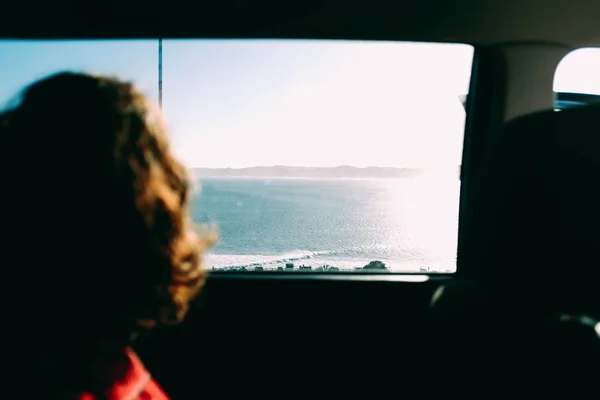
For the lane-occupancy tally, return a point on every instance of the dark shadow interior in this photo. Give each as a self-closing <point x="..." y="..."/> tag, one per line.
<point x="278" y="337"/>
<point x="529" y="236"/>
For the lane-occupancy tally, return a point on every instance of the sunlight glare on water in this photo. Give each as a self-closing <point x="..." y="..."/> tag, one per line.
<point x="409" y="223"/>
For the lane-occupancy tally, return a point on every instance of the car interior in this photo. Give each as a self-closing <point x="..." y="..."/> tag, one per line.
<point x="521" y="314"/>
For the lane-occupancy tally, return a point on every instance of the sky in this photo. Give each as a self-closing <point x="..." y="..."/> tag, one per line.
<point x="237" y="103"/>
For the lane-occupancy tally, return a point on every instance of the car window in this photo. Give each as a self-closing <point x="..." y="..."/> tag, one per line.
<point x="25" y="61"/>
<point x="322" y="154"/>
<point x="577" y="79"/>
<point x="311" y="155"/>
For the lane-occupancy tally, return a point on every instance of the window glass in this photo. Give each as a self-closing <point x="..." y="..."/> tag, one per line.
<point x="579" y="72"/>
<point x="322" y="155"/>
<point x="312" y="155"/>
<point x="25" y="61"/>
<point x="577" y="79"/>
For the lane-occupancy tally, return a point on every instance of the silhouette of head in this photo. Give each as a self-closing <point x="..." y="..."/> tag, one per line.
<point x="95" y="211"/>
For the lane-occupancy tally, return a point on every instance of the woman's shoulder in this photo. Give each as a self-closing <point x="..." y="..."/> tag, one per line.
<point x="127" y="379"/>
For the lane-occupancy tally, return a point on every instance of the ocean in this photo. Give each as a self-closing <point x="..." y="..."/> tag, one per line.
<point x="410" y="224"/>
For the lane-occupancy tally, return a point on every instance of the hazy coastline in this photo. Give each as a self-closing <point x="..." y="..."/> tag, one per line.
<point x="279" y="171"/>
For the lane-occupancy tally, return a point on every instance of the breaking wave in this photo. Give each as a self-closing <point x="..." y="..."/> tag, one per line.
<point x="343" y="258"/>
<point x="250" y="261"/>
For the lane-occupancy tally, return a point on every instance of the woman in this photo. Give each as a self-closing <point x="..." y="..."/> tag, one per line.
<point x="95" y="216"/>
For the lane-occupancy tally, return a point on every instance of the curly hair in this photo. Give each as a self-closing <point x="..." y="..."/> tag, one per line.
<point x="97" y="210"/>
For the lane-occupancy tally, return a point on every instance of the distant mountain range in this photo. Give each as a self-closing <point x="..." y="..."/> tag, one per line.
<point x="280" y="171"/>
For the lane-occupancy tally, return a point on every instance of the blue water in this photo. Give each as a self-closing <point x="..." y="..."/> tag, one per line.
<point x="410" y="224"/>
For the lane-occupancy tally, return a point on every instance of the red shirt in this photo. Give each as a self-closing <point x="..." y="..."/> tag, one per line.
<point x="127" y="380"/>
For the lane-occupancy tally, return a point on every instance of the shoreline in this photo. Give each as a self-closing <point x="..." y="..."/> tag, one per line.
<point x="330" y="268"/>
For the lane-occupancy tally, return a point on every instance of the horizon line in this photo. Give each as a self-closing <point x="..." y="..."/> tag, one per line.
<point x="329" y="167"/>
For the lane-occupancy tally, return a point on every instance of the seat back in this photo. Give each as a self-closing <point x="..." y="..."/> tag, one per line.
<point x="530" y="259"/>
<point x="535" y="218"/>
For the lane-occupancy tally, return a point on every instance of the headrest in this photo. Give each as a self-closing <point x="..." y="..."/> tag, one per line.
<point x="535" y="215"/>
